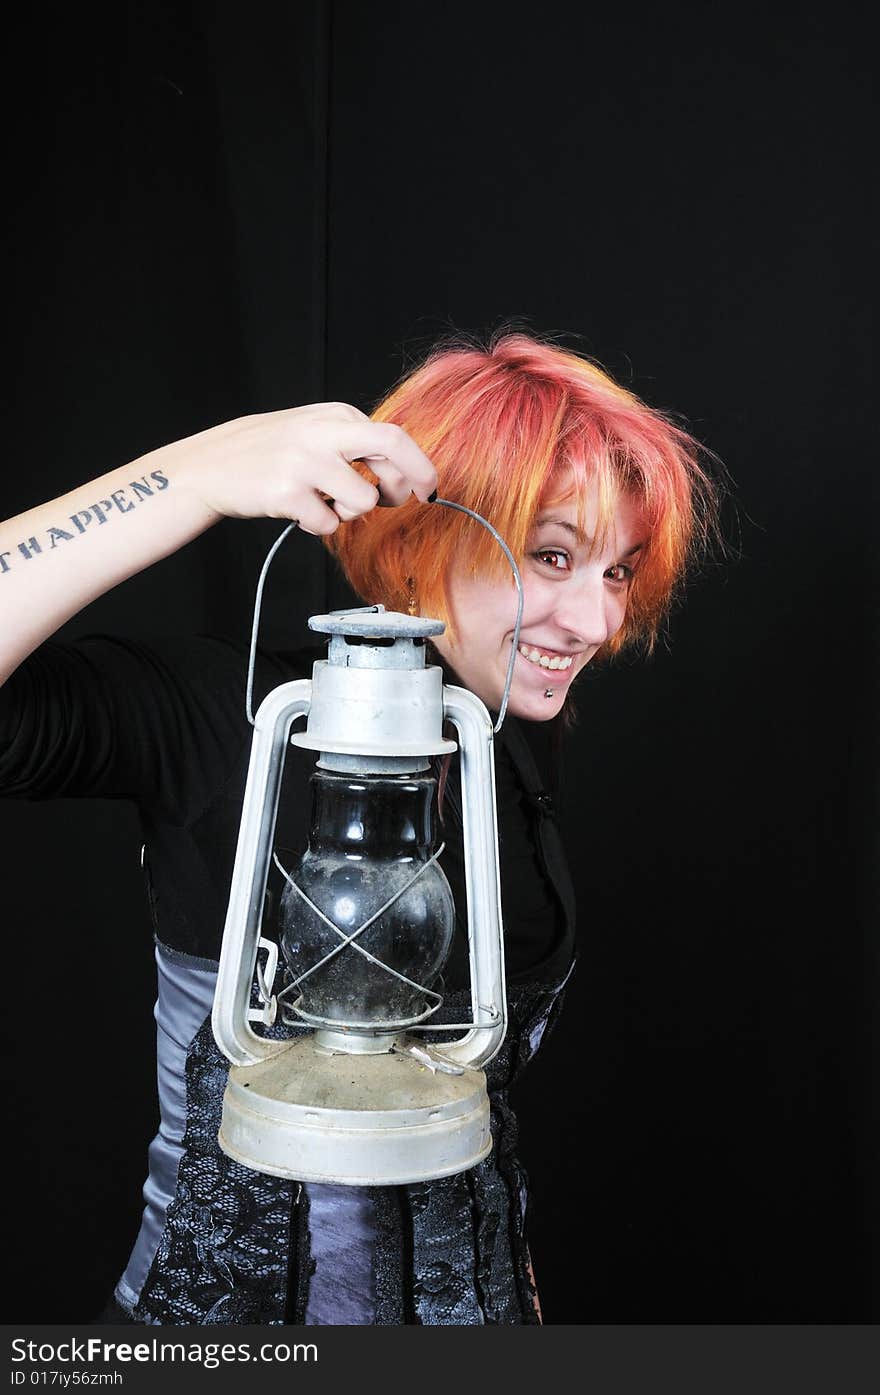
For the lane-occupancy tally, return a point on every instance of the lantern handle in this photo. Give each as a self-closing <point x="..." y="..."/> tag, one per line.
<point x="445" y="503"/>
<point x="520" y="596"/>
<point x="255" y="627"/>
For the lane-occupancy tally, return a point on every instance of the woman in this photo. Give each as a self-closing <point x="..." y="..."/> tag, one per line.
<point x="603" y="502"/>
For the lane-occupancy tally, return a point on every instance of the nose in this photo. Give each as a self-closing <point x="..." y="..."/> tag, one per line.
<point x="588" y="614"/>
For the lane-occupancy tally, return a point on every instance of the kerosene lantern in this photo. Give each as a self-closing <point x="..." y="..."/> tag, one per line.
<point x="358" y="1094"/>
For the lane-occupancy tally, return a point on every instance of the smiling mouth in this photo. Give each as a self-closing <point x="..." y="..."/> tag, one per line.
<point x="545" y="661"/>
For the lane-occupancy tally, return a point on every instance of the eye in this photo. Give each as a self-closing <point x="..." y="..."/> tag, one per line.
<point x="621" y="573"/>
<point x="554" y="558"/>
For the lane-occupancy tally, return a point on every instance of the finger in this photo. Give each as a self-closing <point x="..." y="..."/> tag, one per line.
<point x="385" y="448"/>
<point x="347" y="487"/>
<point x="394" y="487"/>
<point x="390" y="488"/>
<point x="316" y="517"/>
<point x="343" y="513"/>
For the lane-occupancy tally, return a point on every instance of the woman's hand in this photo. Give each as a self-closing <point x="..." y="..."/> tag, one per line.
<point x="297" y="464"/>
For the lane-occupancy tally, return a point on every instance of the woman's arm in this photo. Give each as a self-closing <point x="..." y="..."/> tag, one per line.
<point x="56" y="558"/>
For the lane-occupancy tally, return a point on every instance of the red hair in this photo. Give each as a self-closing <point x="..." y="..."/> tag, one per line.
<point x="510" y="427"/>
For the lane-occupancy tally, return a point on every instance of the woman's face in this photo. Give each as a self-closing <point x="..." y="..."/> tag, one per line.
<point x="573" y="603"/>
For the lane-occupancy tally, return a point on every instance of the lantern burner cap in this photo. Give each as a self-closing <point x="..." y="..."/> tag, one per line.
<point x="364" y="713"/>
<point x="374" y="622"/>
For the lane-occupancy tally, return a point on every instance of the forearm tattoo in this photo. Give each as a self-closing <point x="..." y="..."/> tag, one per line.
<point x="121" y="501"/>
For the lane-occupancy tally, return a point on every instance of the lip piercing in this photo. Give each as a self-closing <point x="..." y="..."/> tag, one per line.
<point x="548" y="692"/>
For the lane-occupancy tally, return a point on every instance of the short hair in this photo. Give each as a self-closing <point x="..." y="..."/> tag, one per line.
<point x="505" y="424"/>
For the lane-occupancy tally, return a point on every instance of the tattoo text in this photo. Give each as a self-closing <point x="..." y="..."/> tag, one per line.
<point x="120" y="501"/>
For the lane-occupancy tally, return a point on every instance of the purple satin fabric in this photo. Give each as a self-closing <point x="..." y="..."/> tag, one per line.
<point x="342" y="1229"/>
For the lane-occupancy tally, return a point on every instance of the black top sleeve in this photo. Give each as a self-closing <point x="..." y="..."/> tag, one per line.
<point x="118" y="719"/>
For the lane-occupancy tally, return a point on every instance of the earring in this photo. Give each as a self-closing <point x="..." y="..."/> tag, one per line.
<point x="412" y="605"/>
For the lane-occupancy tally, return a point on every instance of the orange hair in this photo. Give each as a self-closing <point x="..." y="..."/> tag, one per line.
<point x="509" y="427"/>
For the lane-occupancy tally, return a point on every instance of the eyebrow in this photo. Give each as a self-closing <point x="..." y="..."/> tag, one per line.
<point x="578" y="533"/>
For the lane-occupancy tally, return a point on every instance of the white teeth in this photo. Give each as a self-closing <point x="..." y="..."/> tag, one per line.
<point x="535" y="656"/>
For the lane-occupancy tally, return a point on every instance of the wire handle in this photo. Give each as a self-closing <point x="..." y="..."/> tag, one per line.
<point x="435" y="499"/>
<point x="249" y="696"/>
<point x="448" y="504"/>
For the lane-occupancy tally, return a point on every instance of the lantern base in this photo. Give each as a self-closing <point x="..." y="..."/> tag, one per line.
<point x="366" y="1120"/>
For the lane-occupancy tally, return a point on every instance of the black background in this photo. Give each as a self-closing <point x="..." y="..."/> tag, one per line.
<point x="220" y="210"/>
